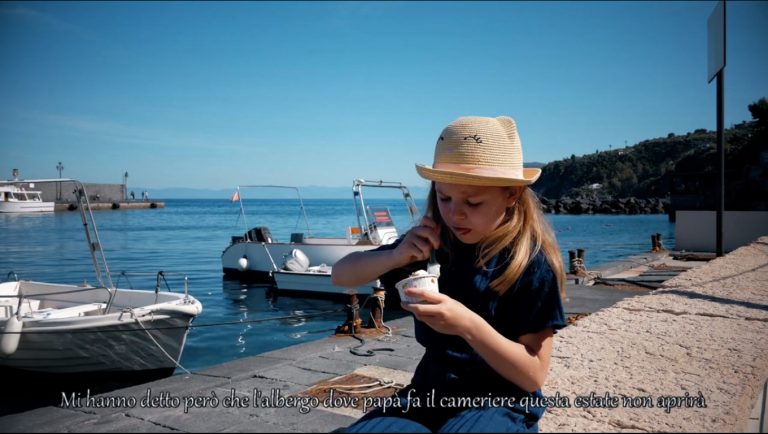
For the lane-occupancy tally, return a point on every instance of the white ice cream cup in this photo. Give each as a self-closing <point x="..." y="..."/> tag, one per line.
<point x="424" y="281"/>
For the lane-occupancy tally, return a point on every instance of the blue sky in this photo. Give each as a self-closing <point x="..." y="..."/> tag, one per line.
<point x="212" y="95"/>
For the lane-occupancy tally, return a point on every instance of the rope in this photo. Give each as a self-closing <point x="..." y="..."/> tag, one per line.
<point x="225" y="323"/>
<point x="367" y="353"/>
<point x="175" y="362"/>
<point x="381" y="299"/>
<point x="383" y="383"/>
<point x="370" y="352"/>
<point x="577" y="267"/>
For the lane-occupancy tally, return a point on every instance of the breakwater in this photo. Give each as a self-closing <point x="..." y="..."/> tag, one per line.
<point x="100" y="196"/>
<point x="581" y="205"/>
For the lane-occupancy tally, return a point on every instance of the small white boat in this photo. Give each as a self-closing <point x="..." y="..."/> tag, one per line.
<point x="69" y="329"/>
<point x="297" y="277"/>
<point x="314" y="280"/>
<point x="56" y="328"/>
<point x="256" y="255"/>
<point x="14" y="198"/>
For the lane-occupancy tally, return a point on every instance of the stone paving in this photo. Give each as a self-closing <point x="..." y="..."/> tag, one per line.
<point x="692" y="356"/>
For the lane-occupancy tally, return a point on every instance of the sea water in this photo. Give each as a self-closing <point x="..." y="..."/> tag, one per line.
<point x="239" y="319"/>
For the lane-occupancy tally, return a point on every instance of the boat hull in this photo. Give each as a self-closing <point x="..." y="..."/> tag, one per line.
<point x="319" y="283"/>
<point x="26" y="207"/>
<point x="120" y="346"/>
<point x="61" y="328"/>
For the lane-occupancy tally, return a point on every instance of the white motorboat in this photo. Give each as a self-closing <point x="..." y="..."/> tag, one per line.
<point x="314" y="280"/>
<point x="256" y="255"/>
<point x="14" y="198"/>
<point x="70" y="329"/>
<point x="295" y="276"/>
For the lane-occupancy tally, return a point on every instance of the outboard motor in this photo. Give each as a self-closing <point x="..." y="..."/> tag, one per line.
<point x="296" y="261"/>
<point x="260" y="234"/>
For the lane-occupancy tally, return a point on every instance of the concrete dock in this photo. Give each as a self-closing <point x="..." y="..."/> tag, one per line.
<point x="689" y="356"/>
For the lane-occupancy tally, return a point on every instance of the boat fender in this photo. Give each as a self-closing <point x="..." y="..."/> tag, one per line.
<point x="11" y="335"/>
<point x="296" y="261"/>
<point x="242" y="263"/>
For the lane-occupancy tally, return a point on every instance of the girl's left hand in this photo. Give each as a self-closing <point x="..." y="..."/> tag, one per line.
<point x="442" y="313"/>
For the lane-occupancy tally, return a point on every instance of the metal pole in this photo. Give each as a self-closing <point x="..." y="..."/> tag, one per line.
<point x="125" y="186"/>
<point x="59" y="167"/>
<point x="721" y="163"/>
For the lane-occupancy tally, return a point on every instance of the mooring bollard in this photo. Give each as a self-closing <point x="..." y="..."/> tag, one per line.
<point x="377" y="311"/>
<point x="576" y="262"/>
<point x="656" y="243"/>
<point x="352" y="324"/>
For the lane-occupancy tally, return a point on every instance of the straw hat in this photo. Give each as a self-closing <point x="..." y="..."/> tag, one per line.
<point x="481" y="151"/>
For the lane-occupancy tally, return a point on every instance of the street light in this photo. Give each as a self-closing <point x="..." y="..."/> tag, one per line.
<point x="125" y="185"/>
<point x="60" y="168"/>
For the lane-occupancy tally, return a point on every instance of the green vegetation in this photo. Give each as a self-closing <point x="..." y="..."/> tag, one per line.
<point x="680" y="168"/>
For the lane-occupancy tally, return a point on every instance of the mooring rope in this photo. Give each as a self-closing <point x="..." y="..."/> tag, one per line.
<point x="388" y="333"/>
<point x="190" y="326"/>
<point x="175" y="362"/>
<point x="382" y="383"/>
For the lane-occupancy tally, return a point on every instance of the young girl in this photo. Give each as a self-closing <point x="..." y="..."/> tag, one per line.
<point x="488" y="332"/>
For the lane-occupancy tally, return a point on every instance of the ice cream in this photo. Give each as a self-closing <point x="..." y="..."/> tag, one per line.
<point x="417" y="279"/>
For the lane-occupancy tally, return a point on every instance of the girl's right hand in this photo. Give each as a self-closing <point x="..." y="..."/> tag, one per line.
<point x="419" y="242"/>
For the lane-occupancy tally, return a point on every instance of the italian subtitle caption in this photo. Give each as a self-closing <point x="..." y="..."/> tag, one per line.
<point x="276" y="398"/>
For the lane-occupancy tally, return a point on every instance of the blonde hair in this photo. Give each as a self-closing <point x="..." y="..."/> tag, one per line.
<point x="525" y="231"/>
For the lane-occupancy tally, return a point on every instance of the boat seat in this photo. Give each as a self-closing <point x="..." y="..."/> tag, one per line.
<point x="69" y="312"/>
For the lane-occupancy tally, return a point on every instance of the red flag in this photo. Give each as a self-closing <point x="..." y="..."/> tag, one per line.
<point x="235" y="196"/>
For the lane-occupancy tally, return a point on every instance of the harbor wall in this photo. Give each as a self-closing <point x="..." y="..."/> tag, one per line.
<point x="100" y="196"/>
<point x="65" y="192"/>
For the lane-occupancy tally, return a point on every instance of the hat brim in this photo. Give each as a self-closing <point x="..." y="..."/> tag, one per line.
<point x="530" y="175"/>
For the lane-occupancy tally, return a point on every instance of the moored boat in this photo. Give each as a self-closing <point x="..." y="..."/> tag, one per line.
<point x="255" y="254"/>
<point x="297" y="277"/>
<point x="57" y="328"/>
<point x="14" y="198"/>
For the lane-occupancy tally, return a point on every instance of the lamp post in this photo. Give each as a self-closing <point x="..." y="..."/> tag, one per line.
<point x="125" y="185"/>
<point x="60" y="168"/>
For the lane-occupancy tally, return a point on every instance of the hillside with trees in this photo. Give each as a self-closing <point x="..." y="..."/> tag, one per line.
<point x="678" y="171"/>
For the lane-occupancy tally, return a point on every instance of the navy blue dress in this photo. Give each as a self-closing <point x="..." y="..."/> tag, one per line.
<point x="450" y="369"/>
